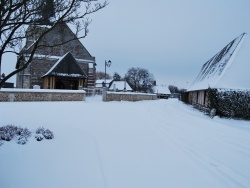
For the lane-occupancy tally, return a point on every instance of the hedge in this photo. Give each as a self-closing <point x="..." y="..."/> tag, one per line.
<point x="230" y="103"/>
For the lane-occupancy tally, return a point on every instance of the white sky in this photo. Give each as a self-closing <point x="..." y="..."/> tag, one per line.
<point x="170" y="38"/>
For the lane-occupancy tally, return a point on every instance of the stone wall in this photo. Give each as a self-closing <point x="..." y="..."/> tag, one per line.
<point x="38" y="68"/>
<point x="42" y="95"/>
<point x="116" y="96"/>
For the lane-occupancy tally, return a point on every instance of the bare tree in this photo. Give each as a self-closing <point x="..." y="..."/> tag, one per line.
<point x="101" y="75"/>
<point x="17" y="15"/>
<point x="173" y="89"/>
<point x="139" y="79"/>
<point x="117" y="77"/>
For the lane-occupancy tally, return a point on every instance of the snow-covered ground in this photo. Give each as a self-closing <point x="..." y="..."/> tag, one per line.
<point x="147" y="144"/>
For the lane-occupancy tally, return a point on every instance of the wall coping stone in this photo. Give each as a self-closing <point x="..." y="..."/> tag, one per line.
<point x="27" y="95"/>
<point x="41" y="90"/>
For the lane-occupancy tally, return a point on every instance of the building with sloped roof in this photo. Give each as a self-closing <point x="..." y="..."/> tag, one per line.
<point x="162" y="91"/>
<point x="120" y="86"/>
<point x="101" y="83"/>
<point x="228" y="69"/>
<point x="65" y="66"/>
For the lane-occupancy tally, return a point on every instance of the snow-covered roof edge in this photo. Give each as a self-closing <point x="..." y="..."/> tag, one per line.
<point x="54" y="66"/>
<point x="161" y="89"/>
<point x="215" y="68"/>
<point x="58" y="57"/>
<point x="120" y="85"/>
<point x="233" y="55"/>
<point x="79" y="74"/>
<point x="101" y="81"/>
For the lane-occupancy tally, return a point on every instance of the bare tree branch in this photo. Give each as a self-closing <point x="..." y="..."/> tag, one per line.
<point x="140" y="79"/>
<point x="17" y="15"/>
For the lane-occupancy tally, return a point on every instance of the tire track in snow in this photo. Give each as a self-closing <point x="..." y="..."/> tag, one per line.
<point x="179" y="147"/>
<point x="98" y="155"/>
<point x="216" y="168"/>
<point x="100" y="163"/>
<point x="200" y="128"/>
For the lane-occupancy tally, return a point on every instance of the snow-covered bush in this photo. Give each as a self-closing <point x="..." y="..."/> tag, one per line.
<point x="230" y="103"/>
<point x="21" y="135"/>
<point x="48" y="134"/>
<point x="40" y="130"/>
<point x="8" y="132"/>
<point x="39" y="137"/>
<point x="22" y="140"/>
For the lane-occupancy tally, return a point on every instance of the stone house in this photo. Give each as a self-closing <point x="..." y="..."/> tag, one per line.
<point x="65" y="66"/>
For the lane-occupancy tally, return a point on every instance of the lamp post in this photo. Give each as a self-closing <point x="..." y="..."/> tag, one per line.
<point x="107" y="64"/>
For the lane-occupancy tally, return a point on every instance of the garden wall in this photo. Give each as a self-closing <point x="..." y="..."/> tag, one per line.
<point x="128" y="96"/>
<point x="41" y="95"/>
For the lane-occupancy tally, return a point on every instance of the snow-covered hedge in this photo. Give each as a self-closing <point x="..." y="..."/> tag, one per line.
<point x="230" y="103"/>
<point x="21" y="135"/>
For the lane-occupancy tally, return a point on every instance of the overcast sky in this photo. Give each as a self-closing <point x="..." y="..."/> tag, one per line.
<point x="170" y="38"/>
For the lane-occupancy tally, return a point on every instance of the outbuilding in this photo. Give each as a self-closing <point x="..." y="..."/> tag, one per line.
<point x="228" y="69"/>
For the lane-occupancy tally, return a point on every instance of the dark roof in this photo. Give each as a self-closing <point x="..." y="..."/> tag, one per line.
<point x="7" y="84"/>
<point x="66" y="67"/>
<point x="60" y="31"/>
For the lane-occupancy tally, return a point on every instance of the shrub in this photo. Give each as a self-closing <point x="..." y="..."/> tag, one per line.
<point x="39" y="137"/>
<point x="23" y="135"/>
<point x="230" y="103"/>
<point x="48" y="134"/>
<point x="22" y="140"/>
<point x="40" y="130"/>
<point x="45" y="133"/>
<point x="8" y="132"/>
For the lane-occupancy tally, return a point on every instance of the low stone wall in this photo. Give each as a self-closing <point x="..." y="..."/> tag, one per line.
<point x="116" y="96"/>
<point x="41" y="95"/>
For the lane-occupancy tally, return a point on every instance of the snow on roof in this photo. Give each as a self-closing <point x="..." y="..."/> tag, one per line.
<point x="227" y="69"/>
<point x="161" y="89"/>
<point x="42" y="56"/>
<point x="54" y="66"/>
<point x="72" y="68"/>
<point x="101" y="81"/>
<point x="119" y="85"/>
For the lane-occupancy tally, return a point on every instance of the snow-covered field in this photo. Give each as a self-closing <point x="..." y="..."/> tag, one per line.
<point x="147" y="144"/>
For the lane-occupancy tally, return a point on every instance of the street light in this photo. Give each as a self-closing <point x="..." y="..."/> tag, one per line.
<point x="107" y="64"/>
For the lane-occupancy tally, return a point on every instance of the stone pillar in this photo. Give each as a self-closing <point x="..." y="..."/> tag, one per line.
<point x="104" y="94"/>
<point x="11" y="97"/>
